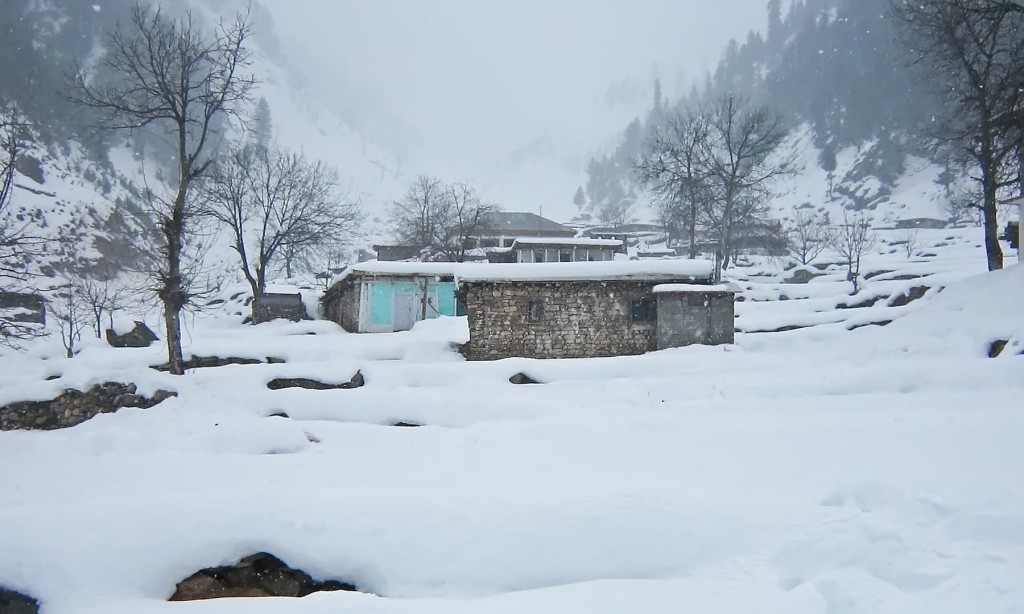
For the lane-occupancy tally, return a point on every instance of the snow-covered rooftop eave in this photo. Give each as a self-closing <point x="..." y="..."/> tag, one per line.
<point x="683" y="288"/>
<point x="668" y="270"/>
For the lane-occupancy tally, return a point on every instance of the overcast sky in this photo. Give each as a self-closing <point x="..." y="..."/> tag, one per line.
<point x="471" y="78"/>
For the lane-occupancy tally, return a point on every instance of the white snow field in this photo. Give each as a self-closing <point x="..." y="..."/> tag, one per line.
<point x="819" y="470"/>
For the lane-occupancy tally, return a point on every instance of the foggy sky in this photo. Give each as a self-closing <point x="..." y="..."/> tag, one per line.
<point x="470" y="79"/>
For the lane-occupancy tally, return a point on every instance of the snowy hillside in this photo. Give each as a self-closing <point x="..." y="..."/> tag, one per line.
<point x="811" y="471"/>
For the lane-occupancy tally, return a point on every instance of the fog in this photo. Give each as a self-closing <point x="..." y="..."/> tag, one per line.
<point x="467" y="88"/>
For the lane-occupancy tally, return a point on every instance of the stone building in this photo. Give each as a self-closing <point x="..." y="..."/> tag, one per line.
<point x="592" y="309"/>
<point x="542" y="310"/>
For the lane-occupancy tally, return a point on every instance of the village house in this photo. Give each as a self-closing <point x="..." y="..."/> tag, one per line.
<point x="542" y="310"/>
<point x="503" y="228"/>
<point x="556" y="249"/>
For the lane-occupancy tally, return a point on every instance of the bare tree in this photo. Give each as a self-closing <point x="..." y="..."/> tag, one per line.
<point x="417" y="214"/>
<point x="851" y="240"/>
<point x="742" y="160"/>
<point x="807" y="237"/>
<point x="441" y="217"/>
<point x="463" y="218"/>
<point x="674" y="168"/>
<point x="18" y="244"/>
<point x="272" y="200"/>
<point x="908" y="240"/>
<point x="71" y="315"/>
<point x="168" y="73"/>
<point x="99" y="296"/>
<point x="974" y="51"/>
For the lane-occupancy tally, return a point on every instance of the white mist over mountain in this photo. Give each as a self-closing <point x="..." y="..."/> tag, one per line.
<point x="514" y="96"/>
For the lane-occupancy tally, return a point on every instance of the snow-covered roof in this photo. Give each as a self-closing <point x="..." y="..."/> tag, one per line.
<point x="680" y="288"/>
<point x="546" y="271"/>
<point x="606" y="270"/>
<point x="568" y="242"/>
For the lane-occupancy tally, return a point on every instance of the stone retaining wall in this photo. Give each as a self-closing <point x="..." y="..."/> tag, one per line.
<point x="74" y="407"/>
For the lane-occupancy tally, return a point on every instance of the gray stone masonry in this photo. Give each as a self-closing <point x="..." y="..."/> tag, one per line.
<point x="581" y="319"/>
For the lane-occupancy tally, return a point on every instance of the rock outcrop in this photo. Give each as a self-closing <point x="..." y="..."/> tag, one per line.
<point x="138" y="337"/>
<point x="258" y="575"/>
<point x="13" y="602"/>
<point x="357" y="381"/>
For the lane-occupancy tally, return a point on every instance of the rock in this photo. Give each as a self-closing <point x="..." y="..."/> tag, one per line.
<point x="258" y="575"/>
<point x="407" y="424"/>
<point x="996" y="347"/>
<point x="13" y="602"/>
<point x="74" y="407"/>
<point x="138" y="337"/>
<point x="522" y="378"/>
<point x="205" y="362"/>
<point x="280" y="383"/>
<point x="914" y="294"/>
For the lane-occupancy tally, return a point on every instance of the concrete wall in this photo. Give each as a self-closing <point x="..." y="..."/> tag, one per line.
<point x="689" y="318"/>
<point x="581" y="319"/>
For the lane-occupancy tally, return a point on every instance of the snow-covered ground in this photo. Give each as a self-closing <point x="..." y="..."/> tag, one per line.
<point x="819" y="470"/>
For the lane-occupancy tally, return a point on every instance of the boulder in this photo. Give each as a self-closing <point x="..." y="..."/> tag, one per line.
<point x="138" y="337"/>
<point x="522" y="378"/>
<point x="13" y="602"/>
<point x="258" y="575"/>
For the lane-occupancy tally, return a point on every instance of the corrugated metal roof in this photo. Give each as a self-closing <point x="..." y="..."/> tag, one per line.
<point x="513" y="222"/>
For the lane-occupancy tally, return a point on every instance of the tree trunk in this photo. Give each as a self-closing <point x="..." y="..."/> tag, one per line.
<point x="173" y="293"/>
<point x="993" y="251"/>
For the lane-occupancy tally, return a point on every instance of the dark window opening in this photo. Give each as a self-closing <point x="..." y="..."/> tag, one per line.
<point x="538" y="255"/>
<point x="645" y="309"/>
<point x="535" y="311"/>
<point x="565" y="255"/>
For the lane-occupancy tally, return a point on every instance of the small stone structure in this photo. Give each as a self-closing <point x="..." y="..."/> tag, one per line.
<point x="74" y="407"/>
<point x="692" y="314"/>
<point x="140" y="336"/>
<point x="273" y="306"/>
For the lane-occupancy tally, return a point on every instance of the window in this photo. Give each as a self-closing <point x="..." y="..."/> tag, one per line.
<point x="538" y="255"/>
<point x="565" y="255"/>
<point x="645" y="310"/>
<point x="535" y="311"/>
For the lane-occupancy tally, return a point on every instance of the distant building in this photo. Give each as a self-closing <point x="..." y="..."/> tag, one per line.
<point x="394" y="253"/>
<point x="920" y="222"/>
<point x="555" y="249"/>
<point x="503" y="228"/>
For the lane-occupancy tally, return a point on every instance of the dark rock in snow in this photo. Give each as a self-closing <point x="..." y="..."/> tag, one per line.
<point x="914" y="294"/>
<point x="13" y="602"/>
<point x="407" y="424"/>
<point x="258" y="575"/>
<point x="204" y="362"/>
<point x="281" y="383"/>
<point x="138" y="337"/>
<point x="996" y="347"/>
<point x="522" y="378"/>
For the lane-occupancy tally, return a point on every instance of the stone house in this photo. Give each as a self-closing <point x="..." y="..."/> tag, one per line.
<point x="593" y="309"/>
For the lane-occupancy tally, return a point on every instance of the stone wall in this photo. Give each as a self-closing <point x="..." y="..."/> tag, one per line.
<point x="74" y="407"/>
<point x="581" y="319"/>
<point x="340" y="304"/>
